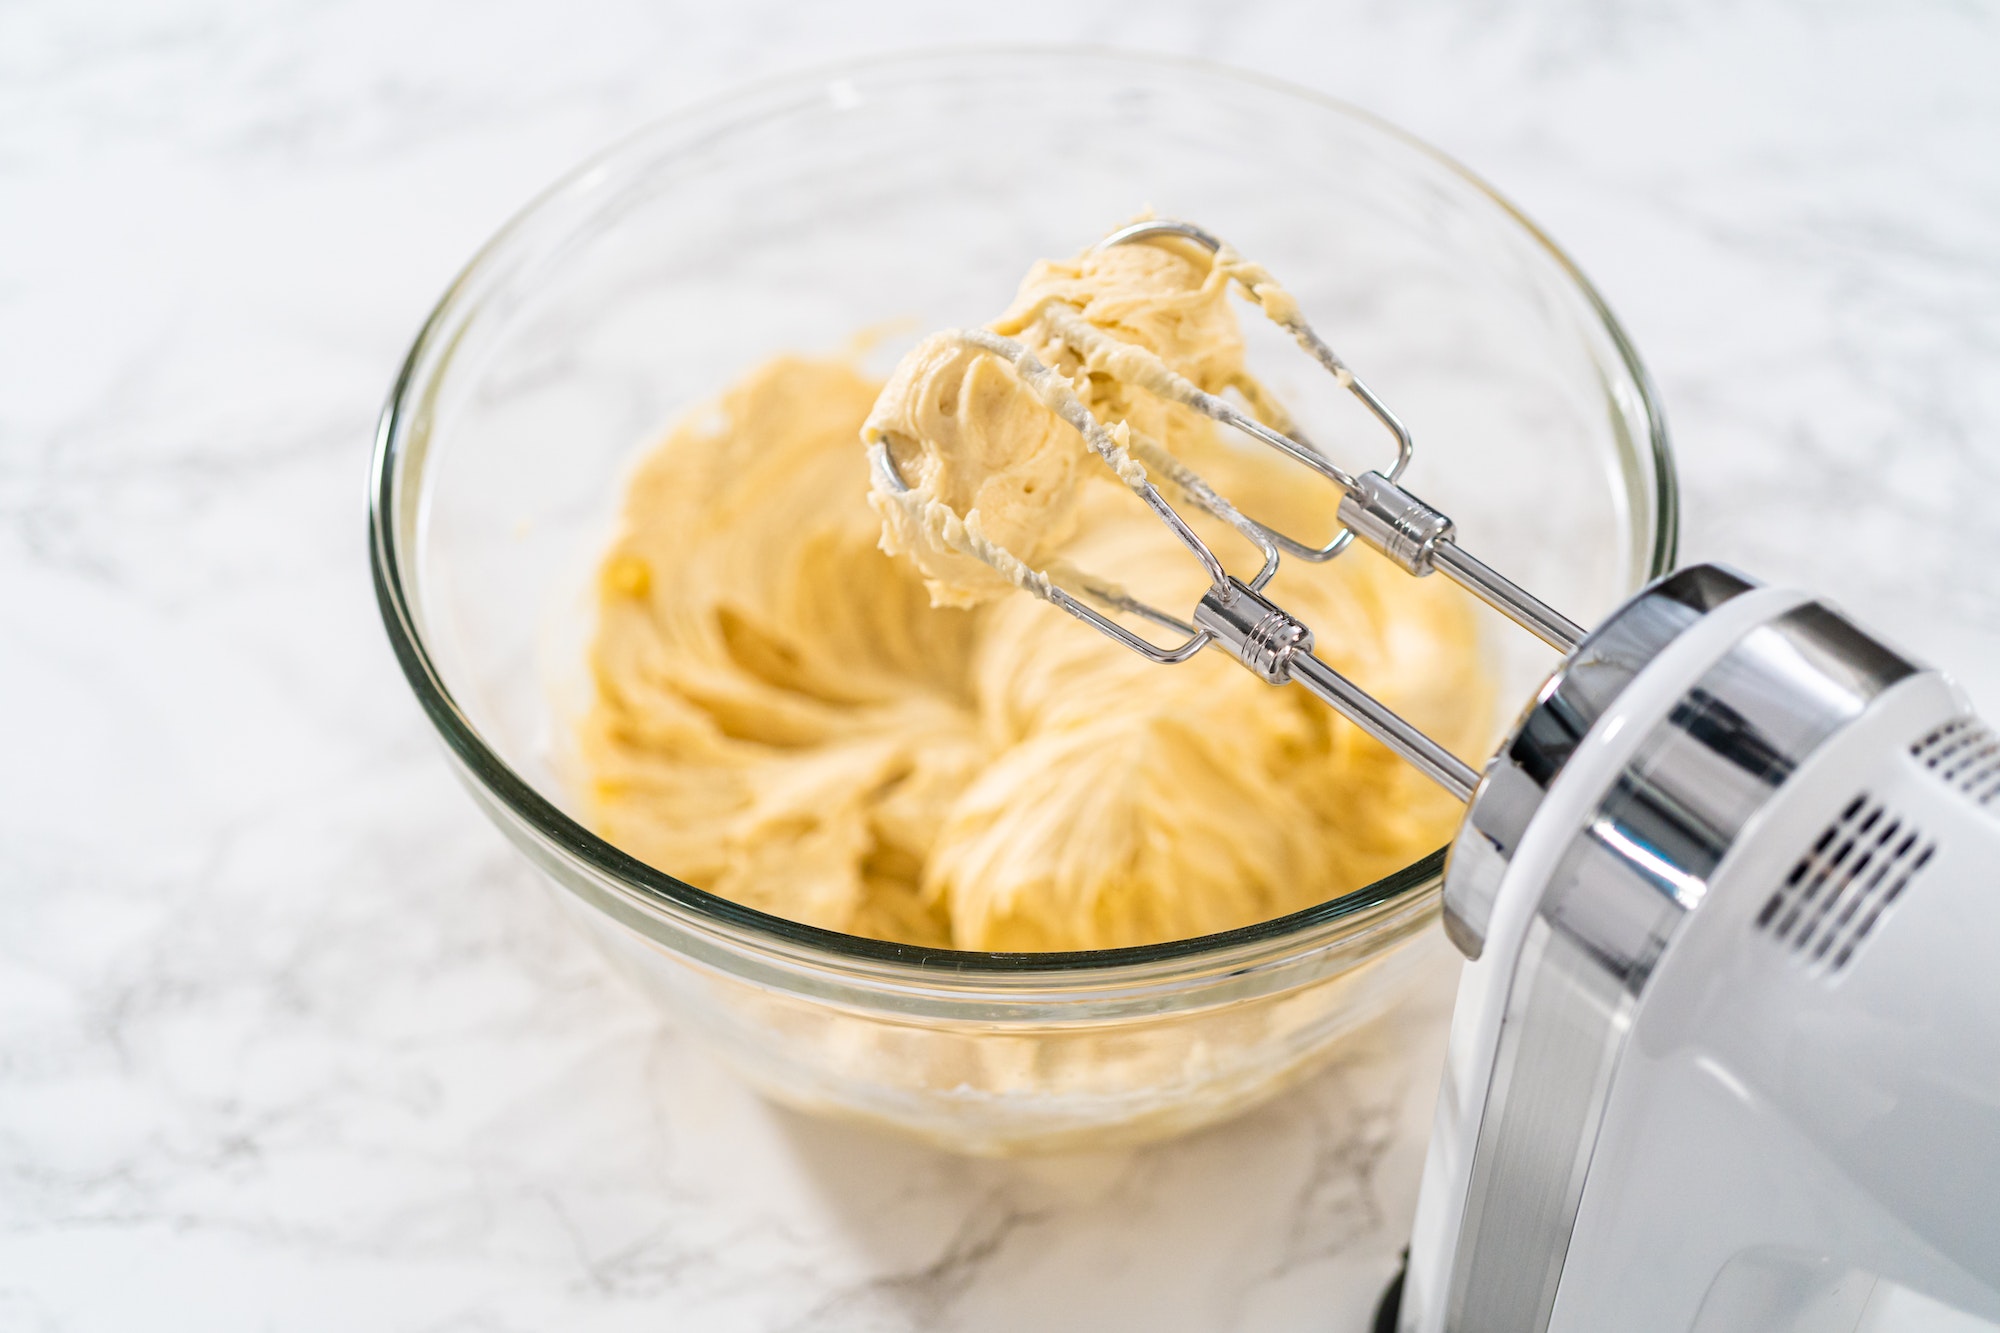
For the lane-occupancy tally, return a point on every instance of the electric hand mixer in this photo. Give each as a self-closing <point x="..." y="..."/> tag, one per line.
<point x="1728" y="1054"/>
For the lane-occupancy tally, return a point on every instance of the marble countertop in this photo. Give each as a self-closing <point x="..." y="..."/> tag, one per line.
<point x="288" y="1037"/>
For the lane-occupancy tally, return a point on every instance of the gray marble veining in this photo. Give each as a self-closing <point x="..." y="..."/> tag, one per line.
<point x="287" y="1038"/>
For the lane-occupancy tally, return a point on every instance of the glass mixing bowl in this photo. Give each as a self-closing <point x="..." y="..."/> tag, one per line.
<point x="909" y="194"/>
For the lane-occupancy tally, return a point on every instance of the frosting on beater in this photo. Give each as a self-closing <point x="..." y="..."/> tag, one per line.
<point x="827" y="710"/>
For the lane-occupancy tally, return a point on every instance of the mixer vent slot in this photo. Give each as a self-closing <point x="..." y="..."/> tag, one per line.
<point x="1965" y="753"/>
<point x="1831" y="900"/>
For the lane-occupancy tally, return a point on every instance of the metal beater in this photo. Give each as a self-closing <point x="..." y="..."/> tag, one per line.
<point x="1234" y="613"/>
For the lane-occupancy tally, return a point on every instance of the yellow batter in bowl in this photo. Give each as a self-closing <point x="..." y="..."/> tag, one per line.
<point x="826" y="710"/>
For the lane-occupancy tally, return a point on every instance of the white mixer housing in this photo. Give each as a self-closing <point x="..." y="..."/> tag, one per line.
<point x="1728" y="1058"/>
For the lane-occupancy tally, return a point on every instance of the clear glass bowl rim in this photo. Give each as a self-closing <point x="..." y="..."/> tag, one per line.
<point x="796" y="941"/>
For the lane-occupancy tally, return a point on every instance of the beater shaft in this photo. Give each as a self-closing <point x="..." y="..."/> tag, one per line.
<point x="1421" y="539"/>
<point x="1532" y="614"/>
<point x="1274" y="644"/>
<point x="1372" y="716"/>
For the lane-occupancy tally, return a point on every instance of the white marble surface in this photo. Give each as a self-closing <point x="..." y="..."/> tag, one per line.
<point x="287" y="1038"/>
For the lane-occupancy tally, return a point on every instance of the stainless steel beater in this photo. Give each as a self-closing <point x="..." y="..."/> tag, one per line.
<point x="1234" y="613"/>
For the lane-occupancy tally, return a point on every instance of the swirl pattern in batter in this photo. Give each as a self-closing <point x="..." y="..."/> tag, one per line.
<point x="826" y="709"/>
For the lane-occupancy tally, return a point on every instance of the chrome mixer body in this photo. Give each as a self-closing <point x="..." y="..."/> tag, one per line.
<point x="1727" y="1057"/>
